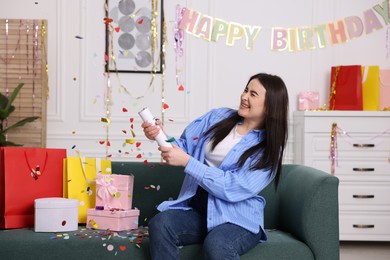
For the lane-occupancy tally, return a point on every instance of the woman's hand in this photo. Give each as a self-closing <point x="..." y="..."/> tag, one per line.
<point x="174" y="156"/>
<point x="150" y="130"/>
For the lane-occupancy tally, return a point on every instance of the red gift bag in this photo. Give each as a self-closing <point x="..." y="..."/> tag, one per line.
<point x="27" y="174"/>
<point x="346" y="88"/>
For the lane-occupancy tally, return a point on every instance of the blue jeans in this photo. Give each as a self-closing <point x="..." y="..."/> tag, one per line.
<point x="170" y="229"/>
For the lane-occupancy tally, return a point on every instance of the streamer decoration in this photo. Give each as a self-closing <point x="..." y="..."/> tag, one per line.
<point x="337" y="132"/>
<point x="333" y="148"/>
<point x="179" y="48"/>
<point x="43" y="44"/>
<point x="108" y="92"/>
<point x="35" y="61"/>
<point x="162" y="54"/>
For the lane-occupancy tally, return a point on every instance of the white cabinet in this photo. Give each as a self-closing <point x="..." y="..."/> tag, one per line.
<point x="361" y="162"/>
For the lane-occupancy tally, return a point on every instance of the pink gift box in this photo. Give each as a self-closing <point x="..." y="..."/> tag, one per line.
<point x="114" y="191"/>
<point x="308" y="100"/>
<point x="115" y="220"/>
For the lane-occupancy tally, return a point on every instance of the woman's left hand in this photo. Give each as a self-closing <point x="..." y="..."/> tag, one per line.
<point x="174" y="156"/>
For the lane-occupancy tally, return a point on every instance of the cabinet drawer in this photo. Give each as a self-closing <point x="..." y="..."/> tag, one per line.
<point x="355" y="225"/>
<point x="362" y="169"/>
<point x="354" y="170"/>
<point x="372" y="196"/>
<point x="366" y="146"/>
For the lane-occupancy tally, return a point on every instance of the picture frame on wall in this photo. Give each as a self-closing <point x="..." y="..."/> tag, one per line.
<point x="133" y="42"/>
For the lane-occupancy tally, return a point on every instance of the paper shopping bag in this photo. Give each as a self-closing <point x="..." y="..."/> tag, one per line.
<point x="80" y="181"/>
<point x="346" y="88"/>
<point x="27" y="174"/>
<point x="384" y="89"/>
<point x="370" y="85"/>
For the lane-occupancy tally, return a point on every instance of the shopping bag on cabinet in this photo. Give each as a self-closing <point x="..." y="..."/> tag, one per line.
<point x="27" y="174"/>
<point x="80" y="181"/>
<point x="346" y="88"/>
<point x="370" y="85"/>
<point x="384" y="89"/>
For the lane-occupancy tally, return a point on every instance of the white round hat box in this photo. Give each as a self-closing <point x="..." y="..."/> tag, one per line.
<point x="56" y="215"/>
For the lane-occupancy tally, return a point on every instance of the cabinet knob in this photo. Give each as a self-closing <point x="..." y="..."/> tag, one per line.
<point x="363" y="226"/>
<point x="363" y="169"/>
<point x="363" y="145"/>
<point x="363" y="196"/>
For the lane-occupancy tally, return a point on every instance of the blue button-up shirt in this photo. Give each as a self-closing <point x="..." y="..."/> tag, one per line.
<point x="233" y="190"/>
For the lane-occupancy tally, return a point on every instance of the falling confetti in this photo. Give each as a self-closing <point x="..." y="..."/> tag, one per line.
<point x="107" y="20"/>
<point x="105" y="120"/>
<point x="130" y="141"/>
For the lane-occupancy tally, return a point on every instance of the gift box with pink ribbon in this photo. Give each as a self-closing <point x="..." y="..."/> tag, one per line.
<point x="115" y="220"/>
<point x="114" y="191"/>
<point x="308" y="100"/>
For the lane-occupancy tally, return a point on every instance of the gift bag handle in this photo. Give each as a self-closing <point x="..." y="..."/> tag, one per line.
<point x="332" y="94"/>
<point x="83" y="162"/>
<point x="37" y="171"/>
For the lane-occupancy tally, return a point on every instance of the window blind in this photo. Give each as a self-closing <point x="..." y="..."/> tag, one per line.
<point x="23" y="59"/>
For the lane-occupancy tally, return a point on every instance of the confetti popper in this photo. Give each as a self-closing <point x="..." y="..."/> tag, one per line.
<point x="147" y="116"/>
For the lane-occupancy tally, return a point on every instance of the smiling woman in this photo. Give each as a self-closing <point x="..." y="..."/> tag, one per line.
<point x="235" y="155"/>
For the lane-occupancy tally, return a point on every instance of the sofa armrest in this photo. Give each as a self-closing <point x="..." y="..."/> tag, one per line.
<point x="309" y="209"/>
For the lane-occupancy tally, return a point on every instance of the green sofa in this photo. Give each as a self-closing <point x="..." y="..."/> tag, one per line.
<point x="301" y="221"/>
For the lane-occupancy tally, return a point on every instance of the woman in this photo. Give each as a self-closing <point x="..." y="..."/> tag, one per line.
<point x="228" y="156"/>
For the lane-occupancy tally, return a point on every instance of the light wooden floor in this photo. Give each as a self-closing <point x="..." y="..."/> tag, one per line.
<point x="364" y="250"/>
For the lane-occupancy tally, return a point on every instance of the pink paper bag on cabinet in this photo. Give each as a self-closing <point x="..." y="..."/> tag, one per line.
<point x="384" y="89"/>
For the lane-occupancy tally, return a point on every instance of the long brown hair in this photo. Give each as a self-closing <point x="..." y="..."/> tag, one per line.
<point x="276" y="127"/>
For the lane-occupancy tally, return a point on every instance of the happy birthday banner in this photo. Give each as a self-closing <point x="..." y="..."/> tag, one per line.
<point x="291" y="39"/>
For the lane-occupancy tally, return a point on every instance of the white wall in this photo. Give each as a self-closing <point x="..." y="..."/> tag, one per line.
<point x="215" y="73"/>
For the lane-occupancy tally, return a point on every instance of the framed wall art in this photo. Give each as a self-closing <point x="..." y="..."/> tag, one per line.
<point x="134" y="35"/>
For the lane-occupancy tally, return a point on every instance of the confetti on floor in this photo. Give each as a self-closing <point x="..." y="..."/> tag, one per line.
<point x="115" y="246"/>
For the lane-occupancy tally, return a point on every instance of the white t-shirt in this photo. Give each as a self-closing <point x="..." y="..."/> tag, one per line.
<point x="214" y="158"/>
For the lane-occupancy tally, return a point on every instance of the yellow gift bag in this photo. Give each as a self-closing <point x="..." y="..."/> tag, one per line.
<point x="371" y="83"/>
<point x="80" y="181"/>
